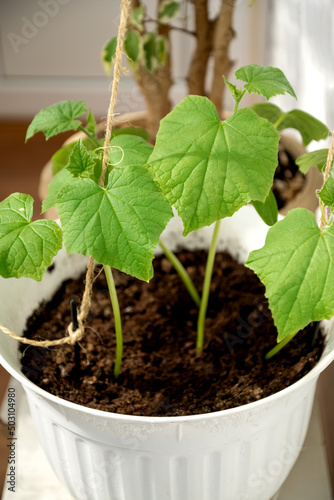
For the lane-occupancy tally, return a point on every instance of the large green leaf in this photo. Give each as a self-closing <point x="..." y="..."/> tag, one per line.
<point x="139" y="132"/>
<point x="296" y="266"/>
<point x="308" y="160"/>
<point x="125" y="150"/>
<point x="208" y="169"/>
<point x="266" y="81"/>
<point x="119" y="226"/>
<point x="129" y="150"/>
<point x="60" y="158"/>
<point x="268" y="110"/>
<point x="57" y="118"/>
<point x="59" y="181"/>
<point x="310" y="128"/>
<point x="267" y="210"/>
<point x="26" y="248"/>
<point x="326" y="193"/>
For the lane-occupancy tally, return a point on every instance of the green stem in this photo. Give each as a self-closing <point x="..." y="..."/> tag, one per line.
<point x="182" y="273"/>
<point x="118" y="321"/>
<point x="275" y="350"/>
<point x="323" y="215"/>
<point x="91" y="137"/>
<point x="279" y="121"/>
<point x="206" y="288"/>
<point x="237" y="100"/>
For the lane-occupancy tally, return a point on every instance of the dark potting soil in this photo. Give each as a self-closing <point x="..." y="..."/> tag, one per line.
<point x="288" y="179"/>
<point x="161" y="373"/>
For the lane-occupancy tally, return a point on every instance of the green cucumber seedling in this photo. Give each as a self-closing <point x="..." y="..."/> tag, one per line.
<point x="206" y="169"/>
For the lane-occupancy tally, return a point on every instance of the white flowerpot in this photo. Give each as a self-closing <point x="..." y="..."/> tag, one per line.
<point x="238" y="454"/>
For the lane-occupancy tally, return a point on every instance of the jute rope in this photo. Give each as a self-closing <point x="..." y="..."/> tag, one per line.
<point x="115" y="81"/>
<point x="326" y="174"/>
<point x="78" y="334"/>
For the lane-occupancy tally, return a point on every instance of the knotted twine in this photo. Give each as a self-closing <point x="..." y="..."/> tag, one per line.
<point x="75" y="336"/>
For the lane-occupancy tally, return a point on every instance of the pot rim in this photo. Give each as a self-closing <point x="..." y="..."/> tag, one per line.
<point x="312" y="374"/>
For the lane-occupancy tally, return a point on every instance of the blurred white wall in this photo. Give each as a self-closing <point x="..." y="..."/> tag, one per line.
<point x="302" y="45"/>
<point x="50" y="51"/>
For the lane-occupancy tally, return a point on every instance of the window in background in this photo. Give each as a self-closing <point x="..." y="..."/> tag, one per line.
<point x="50" y="51"/>
<point x="302" y="45"/>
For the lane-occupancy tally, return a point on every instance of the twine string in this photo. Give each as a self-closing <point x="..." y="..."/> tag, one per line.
<point x="326" y="174"/>
<point x="79" y="333"/>
<point x="108" y="160"/>
<point x="114" y="88"/>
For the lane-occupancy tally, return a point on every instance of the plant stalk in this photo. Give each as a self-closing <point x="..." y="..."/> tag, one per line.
<point x="275" y="350"/>
<point x="323" y="221"/>
<point x="117" y="318"/>
<point x="91" y="137"/>
<point x="75" y="325"/>
<point x="182" y="273"/>
<point x="206" y="288"/>
<point x="237" y="100"/>
<point x="279" y="121"/>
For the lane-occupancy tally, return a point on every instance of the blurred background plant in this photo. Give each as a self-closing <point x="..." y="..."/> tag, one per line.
<point x="147" y="46"/>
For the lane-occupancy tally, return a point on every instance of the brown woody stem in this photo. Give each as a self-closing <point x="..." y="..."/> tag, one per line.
<point x="223" y="35"/>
